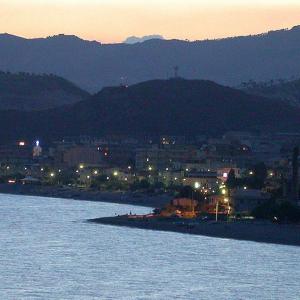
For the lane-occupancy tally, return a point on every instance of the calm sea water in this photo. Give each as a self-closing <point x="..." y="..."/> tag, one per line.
<point x="48" y="251"/>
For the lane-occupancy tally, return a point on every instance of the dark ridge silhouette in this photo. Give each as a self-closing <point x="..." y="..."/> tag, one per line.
<point x="175" y="107"/>
<point x="92" y="65"/>
<point x="23" y="91"/>
<point x="286" y="91"/>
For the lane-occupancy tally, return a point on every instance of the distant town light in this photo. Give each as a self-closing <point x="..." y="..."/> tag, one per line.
<point x="21" y="143"/>
<point x="52" y="174"/>
<point x="224" y="191"/>
<point x="95" y="172"/>
<point x="115" y="173"/>
<point x="245" y="188"/>
<point x="81" y="166"/>
<point x="88" y="176"/>
<point x="197" y="185"/>
<point x="225" y="175"/>
<point x="150" y="168"/>
<point x="226" y="200"/>
<point x="129" y="167"/>
<point x="251" y="173"/>
<point x="37" y="143"/>
<point x="42" y="169"/>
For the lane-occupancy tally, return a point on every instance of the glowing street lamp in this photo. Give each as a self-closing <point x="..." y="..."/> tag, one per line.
<point x="197" y="185"/>
<point x="223" y="191"/>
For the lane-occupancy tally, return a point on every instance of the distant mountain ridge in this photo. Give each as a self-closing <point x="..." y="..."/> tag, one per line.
<point x="92" y="65"/>
<point x="154" y="108"/>
<point x="23" y="91"/>
<point x="134" y="39"/>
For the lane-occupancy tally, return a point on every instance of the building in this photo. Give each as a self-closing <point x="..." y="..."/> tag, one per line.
<point x="205" y="180"/>
<point x="163" y="157"/>
<point x="245" y="200"/>
<point x="80" y="154"/>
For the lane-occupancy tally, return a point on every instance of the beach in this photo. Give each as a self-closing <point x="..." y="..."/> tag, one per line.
<point x="132" y="198"/>
<point x="248" y="230"/>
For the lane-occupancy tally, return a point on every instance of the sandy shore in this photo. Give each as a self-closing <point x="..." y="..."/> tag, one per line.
<point x="138" y="199"/>
<point x="240" y="230"/>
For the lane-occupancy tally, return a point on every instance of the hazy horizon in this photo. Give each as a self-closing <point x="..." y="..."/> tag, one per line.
<point x="140" y="37"/>
<point x="112" y="21"/>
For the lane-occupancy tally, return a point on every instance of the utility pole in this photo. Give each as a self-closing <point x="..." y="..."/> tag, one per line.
<point x="217" y="210"/>
<point x="176" y="70"/>
<point x="295" y="178"/>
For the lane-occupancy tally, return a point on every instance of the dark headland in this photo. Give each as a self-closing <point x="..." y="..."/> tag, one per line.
<point x="257" y="231"/>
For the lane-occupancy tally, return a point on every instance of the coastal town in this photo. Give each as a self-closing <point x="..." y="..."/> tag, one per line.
<point x="239" y="175"/>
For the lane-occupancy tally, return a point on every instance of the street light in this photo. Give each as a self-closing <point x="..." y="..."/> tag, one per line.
<point x="197" y="185"/>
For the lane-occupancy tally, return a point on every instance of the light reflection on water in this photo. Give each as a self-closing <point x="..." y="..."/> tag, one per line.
<point x="48" y="251"/>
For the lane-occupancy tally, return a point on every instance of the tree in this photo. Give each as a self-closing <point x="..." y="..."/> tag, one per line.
<point x="259" y="176"/>
<point x="231" y="181"/>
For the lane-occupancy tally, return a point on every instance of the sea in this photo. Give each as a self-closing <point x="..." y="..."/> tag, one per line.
<point x="49" y="251"/>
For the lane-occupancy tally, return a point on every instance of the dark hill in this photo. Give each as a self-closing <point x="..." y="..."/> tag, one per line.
<point x="27" y="92"/>
<point x="286" y="91"/>
<point x="92" y="65"/>
<point x="175" y="106"/>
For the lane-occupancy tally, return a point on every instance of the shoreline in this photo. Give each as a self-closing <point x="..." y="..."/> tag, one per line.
<point x="128" y="198"/>
<point x="255" y="231"/>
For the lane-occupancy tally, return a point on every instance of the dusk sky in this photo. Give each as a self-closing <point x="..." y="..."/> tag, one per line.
<point x="114" y="20"/>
